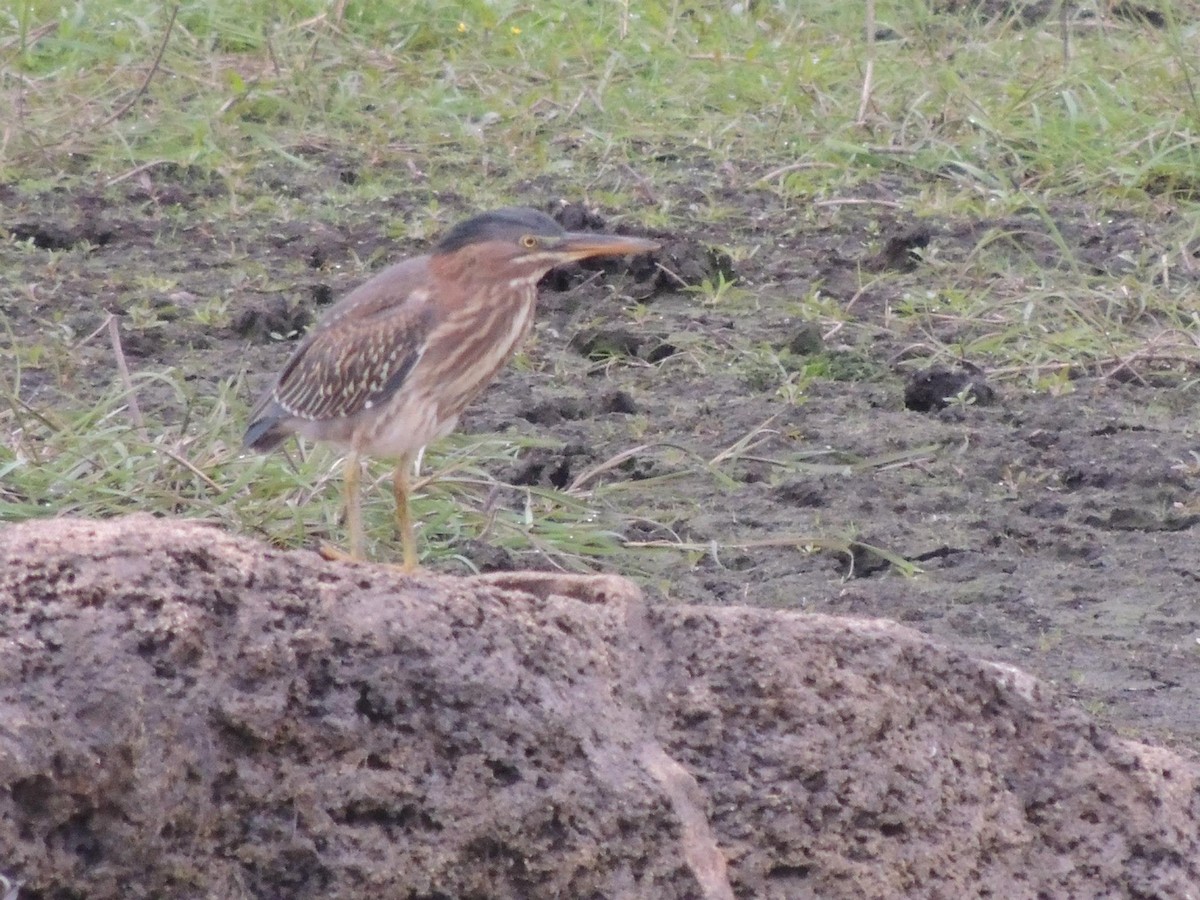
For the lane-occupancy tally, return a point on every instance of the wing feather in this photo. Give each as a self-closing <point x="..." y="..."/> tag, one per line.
<point x="352" y="365"/>
<point x="360" y="353"/>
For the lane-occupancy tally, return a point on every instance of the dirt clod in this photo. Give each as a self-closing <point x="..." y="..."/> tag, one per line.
<point x="54" y="235"/>
<point x="691" y="264"/>
<point x="806" y="339"/>
<point x="902" y="250"/>
<point x="554" y="410"/>
<point x="270" y="318"/>
<point x="579" y="217"/>
<point x="935" y="388"/>
<point x="620" y="402"/>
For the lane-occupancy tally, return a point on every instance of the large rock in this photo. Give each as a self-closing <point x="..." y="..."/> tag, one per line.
<point x="185" y="714"/>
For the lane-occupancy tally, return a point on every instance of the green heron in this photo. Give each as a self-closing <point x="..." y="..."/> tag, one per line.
<point x="390" y="367"/>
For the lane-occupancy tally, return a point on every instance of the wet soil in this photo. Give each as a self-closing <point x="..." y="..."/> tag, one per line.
<point x="1055" y="532"/>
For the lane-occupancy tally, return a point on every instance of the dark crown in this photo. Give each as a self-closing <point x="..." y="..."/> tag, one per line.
<point x="507" y="224"/>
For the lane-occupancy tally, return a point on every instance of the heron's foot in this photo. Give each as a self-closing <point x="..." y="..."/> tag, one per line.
<point x="337" y="554"/>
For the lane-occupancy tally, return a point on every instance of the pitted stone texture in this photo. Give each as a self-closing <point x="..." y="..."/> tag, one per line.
<point x="188" y="714"/>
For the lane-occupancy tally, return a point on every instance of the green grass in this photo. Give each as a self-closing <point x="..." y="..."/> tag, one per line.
<point x="991" y="112"/>
<point x="658" y="110"/>
<point x="113" y="459"/>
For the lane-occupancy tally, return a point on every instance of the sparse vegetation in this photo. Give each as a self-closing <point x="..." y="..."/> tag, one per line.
<point x="239" y="124"/>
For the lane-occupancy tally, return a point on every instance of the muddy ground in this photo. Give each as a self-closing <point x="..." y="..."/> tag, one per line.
<point x="1058" y="533"/>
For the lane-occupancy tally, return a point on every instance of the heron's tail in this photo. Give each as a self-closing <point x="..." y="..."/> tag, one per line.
<point x="268" y="428"/>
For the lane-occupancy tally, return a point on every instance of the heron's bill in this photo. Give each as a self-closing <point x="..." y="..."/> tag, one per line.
<point x="577" y="245"/>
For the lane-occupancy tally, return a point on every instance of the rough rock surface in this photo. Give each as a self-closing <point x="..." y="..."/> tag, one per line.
<point x="187" y="714"/>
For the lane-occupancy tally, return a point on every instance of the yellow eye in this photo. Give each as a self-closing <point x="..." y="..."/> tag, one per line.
<point x="529" y="242"/>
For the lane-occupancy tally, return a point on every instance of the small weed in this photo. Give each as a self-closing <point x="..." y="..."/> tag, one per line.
<point x="722" y="291"/>
<point x="144" y="316"/>
<point x="214" y="312"/>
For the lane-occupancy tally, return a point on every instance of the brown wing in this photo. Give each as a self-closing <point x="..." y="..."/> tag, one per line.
<point x="393" y="288"/>
<point x="350" y="367"/>
<point x="363" y="349"/>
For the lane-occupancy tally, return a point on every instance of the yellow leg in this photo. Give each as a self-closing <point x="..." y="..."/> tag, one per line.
<point x="404" y="525"/>
<point x="354" y="507"/>
<point x="351" y="476"/>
